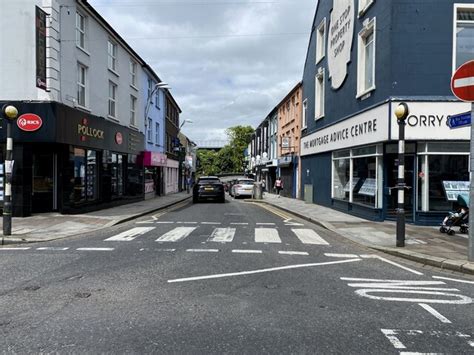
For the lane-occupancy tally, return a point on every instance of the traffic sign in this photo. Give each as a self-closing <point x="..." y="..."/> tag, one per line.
<point x="29" y="122"/>
<point x="459" y="120"/>
<point x="462" y="82"/>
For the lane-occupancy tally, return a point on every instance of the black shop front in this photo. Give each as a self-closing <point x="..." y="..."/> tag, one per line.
<point x="75" y="163"/>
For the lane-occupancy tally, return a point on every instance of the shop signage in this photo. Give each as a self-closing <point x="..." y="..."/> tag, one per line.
<point x="340" y="38"/>
<point x="285" y="143"/>
<point x="365" y="128"/>
<point x="462" y="83"/>
<point x="84" y="130"/>
<point x="40" y="25"/>
<point x="430" y="121"/>
<point x="29" y="122"/>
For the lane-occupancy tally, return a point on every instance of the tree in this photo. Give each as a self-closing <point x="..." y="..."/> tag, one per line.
<point x="207" y="162"/>
<point x="239" y="139"/>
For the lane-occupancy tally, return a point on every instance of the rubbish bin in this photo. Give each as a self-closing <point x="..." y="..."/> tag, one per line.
<point x="257" y="190"/>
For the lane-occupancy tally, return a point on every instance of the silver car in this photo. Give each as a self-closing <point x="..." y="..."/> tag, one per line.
<point x="243" y="187"/>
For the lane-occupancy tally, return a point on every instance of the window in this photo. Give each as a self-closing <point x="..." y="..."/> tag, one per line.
<point x="366" y="59"/>
<point x="85" y="175"/>
<point x="116" y="172"/>
<point x="464" y="34"/>
<point x="157" y="99"/>
<point x="112" y="52"/>
<point x="305" y="114"/>
<point x="149" y="130"/>
<point x="133" y="73"/>
<point x="81" y="85"/>
<point x="157" y="133"/>
<point x="319" y="93"/>
<point x="133" y="107"/>
<point x="321" y="41"/>
<point x="80" y="30"/>
<point x="364" y="6"/>
<point x="341" y="178"/>
<point x="112" y="99"/>
<point x="150" y="90"/>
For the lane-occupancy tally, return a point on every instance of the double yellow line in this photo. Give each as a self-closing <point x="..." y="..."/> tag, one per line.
<point x="274" y="210"/>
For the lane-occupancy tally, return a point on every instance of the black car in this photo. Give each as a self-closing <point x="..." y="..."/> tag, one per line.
<point x="208" y="188"/>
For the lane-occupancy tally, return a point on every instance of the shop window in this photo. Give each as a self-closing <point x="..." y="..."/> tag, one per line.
<point x="116" y="172"/>
<point x="79" y="175"/>
<point x="464" y="34"/>
<point x="364" y="181"/>
<point x="366" y="59"/>
<point x="341" y="179"/>
<point x="91" y="175"/>
<point x="444" y="168"/>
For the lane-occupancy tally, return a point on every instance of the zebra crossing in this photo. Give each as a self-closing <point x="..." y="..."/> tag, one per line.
<point x="222" y="235"/>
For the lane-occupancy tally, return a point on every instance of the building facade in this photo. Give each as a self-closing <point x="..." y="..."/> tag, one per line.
<point x="68" y="68"/>
<point x="288" y="147"/>
<point x="172" y="172"/>
<point x="363" y="59"/>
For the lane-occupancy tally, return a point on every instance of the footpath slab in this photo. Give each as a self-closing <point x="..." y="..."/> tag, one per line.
<point x="423" y="244"/>
<point x="50" y="226"/>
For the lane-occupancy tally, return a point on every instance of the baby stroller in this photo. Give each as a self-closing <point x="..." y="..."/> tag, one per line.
<point x="459" y="218"/>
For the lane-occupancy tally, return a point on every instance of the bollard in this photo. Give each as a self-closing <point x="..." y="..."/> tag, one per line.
<point x="257" y="191"/>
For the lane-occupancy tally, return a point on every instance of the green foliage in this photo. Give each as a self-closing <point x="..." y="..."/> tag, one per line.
<point x="230" y="158"/>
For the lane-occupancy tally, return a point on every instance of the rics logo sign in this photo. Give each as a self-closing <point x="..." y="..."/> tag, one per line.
<point x="340" y="38"/>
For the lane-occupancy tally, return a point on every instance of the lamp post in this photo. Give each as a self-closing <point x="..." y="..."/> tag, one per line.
<point x="158" y="86"/>
<point x="9" y="112"/>
<point x="180" y="154"/>
<point x="401" y="112"/>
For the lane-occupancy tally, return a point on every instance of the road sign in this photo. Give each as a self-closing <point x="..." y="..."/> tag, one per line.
<point x="462" y="82"/>
<point x="459" y="120"/>
<point x="29" y="122"/>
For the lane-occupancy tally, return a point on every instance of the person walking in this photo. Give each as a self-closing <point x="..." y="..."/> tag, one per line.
<point x="278" y="186"/>
<point x="189" y="183"/>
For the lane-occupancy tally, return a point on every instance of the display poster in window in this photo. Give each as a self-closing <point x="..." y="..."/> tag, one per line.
<point x="453" y="189"/>
<point x="354" y="184"/>
<point x="368" y="188"/>
<point x="2" y="186"/>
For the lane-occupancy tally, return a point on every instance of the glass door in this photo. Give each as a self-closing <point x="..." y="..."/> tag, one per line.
<point x="43" y="182"/>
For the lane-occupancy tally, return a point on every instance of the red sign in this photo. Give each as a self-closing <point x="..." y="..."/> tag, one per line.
<point x="118" y="138"/>
<point x="462" y="83"/>
<point x="29" y="122"/>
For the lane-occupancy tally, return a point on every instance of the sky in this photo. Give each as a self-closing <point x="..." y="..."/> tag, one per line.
<point x="228" y="62"/>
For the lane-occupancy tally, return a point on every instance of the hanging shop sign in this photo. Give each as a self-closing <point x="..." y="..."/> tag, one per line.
<point x="40" y="24"/>
<point x="366" y="128"/>
<point x="340" y="38"/>
<point x="431" y="121"/>
<point x="29" y="122"/>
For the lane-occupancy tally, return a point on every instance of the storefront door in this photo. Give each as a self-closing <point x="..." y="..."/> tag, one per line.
<point x="43" y="182"/>
<point x="392" y="194"/>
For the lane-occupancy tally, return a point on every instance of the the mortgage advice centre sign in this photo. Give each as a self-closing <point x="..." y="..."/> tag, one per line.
<point x="340" y="38"/>
<point x="365" y="128"/>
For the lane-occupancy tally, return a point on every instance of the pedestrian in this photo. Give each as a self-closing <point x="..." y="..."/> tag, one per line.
<point x="278" y="186"/>
<point x="263" y="186"/>
<point x="189" y="183"/>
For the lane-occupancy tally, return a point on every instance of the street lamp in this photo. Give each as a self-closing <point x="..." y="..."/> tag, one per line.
<point x="184" y="121"/>
<point x="9" y="112"/>
<point x="157" y="86"/>
<point x="401" y="112"/>
<point x="180" y="155"/>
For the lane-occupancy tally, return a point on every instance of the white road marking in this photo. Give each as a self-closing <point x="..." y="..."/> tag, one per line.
<point x="267" y="235"/>
<point x="189" y="222"/>
<point x="217" y="276"/>
<point x="130" y="234"/>
<point x="164" y="222"/>
<point x="455" y="280"/>
<point x="331" y="255"/>
<point x="52" y="248"/>
<point x="293" y="252"/>
<point x="464" y="82"/>
<point x="166" y="249"/>
<point x="95" y="249"/>
<point x="176" y="234"/>
<point x="211" y="223"/>
<point x="239" y="223"/>
<point x="294" y="224"/>
<point x="265" y="224"/>
<point x="203" y="250"/>
<point x="145" y="222"/>
<point x="309" y="236"/>
<point x="435" y="313"/>
<point x="372" y="256"/>
<point x="223" y="235"/>
<point x="390" y="334"/>
<point x="15" y="248"/>
<point x="247" y="251"/>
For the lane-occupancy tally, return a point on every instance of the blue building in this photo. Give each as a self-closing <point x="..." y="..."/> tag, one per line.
<point x="153" y="125"/>
<point x="363" y="59"/>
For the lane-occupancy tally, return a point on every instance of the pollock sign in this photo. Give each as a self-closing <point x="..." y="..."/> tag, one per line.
<point x="341" y="34"/>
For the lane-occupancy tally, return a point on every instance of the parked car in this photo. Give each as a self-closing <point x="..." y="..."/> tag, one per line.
<point x="242" y="187"/>
<point x="208" y="188"/>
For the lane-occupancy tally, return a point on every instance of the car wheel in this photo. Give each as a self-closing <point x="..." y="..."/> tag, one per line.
<point x="195" y="199"/>
<point x="222" y="199"/>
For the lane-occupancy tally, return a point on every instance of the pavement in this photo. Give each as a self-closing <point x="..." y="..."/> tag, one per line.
<point x="51" y="226"/>
<point x="425" y="245"/>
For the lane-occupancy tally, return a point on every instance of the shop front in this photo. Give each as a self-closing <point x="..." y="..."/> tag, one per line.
<point x="171" y="176"/>
<point x="153" y="163"/>
<point x="361" y="156"/>
<point x="74" y="163"/>
<point x="287" y="168"/>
